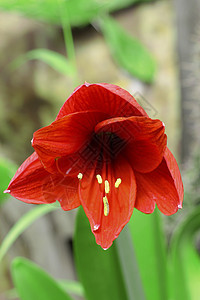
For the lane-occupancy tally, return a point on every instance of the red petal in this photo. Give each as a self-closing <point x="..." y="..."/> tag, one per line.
<point x="77" y="162"/>
<point x="145" y="140"/>
<point x="65" y="136"/>
<point x="121" y="200"/>
<point x="175" y="173"/>
<point x="33" y="184"/>
<point x="104" y="97"/>
<point x="157" y="187"/>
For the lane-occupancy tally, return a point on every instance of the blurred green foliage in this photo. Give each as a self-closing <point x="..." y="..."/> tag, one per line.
<point x="166" y="271"/>
<point x="150" y="249"/>
<point x="192" y="180"/>
<point x="55" y="60"/>
<point x="7" y="171"/>
<point x="79" y="12"/>
<point x="21" y="225"/>
<point x="184" y="275"/>
<point x="99" y="270"/>
<point x="33" y="283"/>
<point x="128" y="52"/>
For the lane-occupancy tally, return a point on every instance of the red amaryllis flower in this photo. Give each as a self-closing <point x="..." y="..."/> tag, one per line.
<point x="102" y="152"/>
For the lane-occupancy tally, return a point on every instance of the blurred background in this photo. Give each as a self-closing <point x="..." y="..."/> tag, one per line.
<point x="47" y="48"/>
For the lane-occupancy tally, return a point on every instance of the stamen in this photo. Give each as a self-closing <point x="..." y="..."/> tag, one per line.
<point x="118" y="182"/>
<point x="80" y="176"/>
<point x="107" y="187"/>
<point x="99" y="179"/>
<point x="106" y="206"/>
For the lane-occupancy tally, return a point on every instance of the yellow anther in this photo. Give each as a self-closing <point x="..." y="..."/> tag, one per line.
<point x="118" y="182"/>
<point x="80" y="176"/>
<point x="99" y="179"/>
<point x="107" y="187"/>
<point x="106" y="206"/>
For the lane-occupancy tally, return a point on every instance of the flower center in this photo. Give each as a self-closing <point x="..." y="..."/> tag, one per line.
<point x="106" y="190"/>
<point x="109" y="143"/>
<point x="102" y="150"/>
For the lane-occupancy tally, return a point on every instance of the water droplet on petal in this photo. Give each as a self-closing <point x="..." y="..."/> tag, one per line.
<point x="67" y="172"/>
<point x="105" y="248"/>
<point x="96" y="227"/>
<point x="6" y="191"/>
<point x="179" y="205"/>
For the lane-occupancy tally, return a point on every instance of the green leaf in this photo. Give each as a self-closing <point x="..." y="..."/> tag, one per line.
<point x="34" y="283"/>
<point x="72" y="287"/>
<point x="127" y="51"/>
<point x="150" y="251"/>
<point x="79" y="12"/>
<point x="184" y="258"/>
<point x="129" y="265"/>
<point x="114" y="5"/>
<point x="99" y="270"/>
<point x="7" y="171"/>
<point x="25" y="221"/>
<point x="55" y="60"/>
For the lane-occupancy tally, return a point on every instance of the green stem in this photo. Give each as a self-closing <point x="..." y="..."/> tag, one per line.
<point x="69" y="42"/>
<point x="160" y="249"/>
<point x="68" y="38"/>
<point x="129" y="266"/>
<point x="19" y="227"/>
